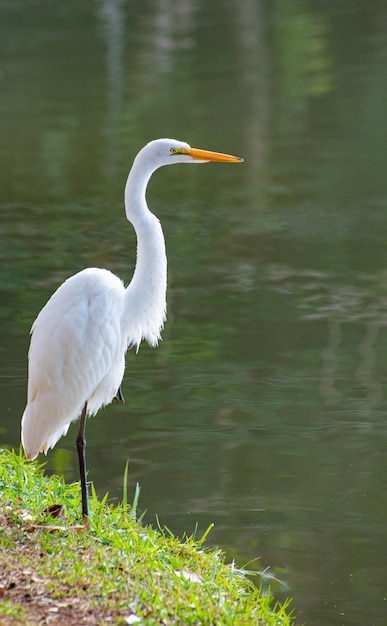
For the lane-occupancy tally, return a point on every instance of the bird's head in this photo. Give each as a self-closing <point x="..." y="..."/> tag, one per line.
<point x="170" y="151"/>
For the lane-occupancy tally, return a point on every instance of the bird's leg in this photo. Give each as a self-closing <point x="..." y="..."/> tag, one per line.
<point x="119" y="397"/>
<point x="81" y="448"/>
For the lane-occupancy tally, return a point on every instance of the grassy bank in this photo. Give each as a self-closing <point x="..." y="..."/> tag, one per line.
<point x="117" y="571"/>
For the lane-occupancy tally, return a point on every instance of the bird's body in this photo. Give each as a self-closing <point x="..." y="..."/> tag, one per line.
<point x="76" y="355"/>
<point x="80" y="337"/>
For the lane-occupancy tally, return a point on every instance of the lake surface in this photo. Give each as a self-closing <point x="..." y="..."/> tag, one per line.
<point x="264" y="408"/>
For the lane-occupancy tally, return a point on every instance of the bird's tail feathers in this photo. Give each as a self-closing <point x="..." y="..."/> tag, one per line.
<point x="40" y="430"/>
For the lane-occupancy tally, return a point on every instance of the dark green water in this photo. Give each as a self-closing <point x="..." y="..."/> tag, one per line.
<point x="264" y="408"/>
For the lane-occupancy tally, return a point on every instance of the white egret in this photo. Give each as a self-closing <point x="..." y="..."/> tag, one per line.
<point x="76" y="357"/>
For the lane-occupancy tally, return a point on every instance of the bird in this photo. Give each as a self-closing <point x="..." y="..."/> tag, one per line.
<point x="79" y="340"/>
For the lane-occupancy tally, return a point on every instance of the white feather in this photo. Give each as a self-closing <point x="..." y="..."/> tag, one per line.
<point x="76" y="356"/>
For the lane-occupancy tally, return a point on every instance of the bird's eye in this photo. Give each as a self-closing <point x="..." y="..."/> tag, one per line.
<point x="174" y="151"/>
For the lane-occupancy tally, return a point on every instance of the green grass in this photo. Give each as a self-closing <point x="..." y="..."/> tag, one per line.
<point x="117" y="571"/>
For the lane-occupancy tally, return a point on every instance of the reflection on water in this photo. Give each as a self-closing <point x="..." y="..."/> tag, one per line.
<point x="263" y="409"/>
<point x="363" y="302"/>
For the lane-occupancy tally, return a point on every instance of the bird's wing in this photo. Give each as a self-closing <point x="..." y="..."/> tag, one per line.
<point x="76" y="354"/>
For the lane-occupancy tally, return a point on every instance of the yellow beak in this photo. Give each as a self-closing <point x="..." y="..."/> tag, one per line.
<point x="207" y="155"/>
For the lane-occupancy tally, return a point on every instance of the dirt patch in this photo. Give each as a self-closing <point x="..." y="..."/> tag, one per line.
<point x="41" y="601"/>
<point x="23" y="588"/>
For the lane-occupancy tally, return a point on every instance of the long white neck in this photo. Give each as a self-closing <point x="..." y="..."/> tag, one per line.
<point x="145" y="298"/>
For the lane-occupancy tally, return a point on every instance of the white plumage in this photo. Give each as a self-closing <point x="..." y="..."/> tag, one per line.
<point x="80" y="337"/>
<point x="76" y="356"/>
